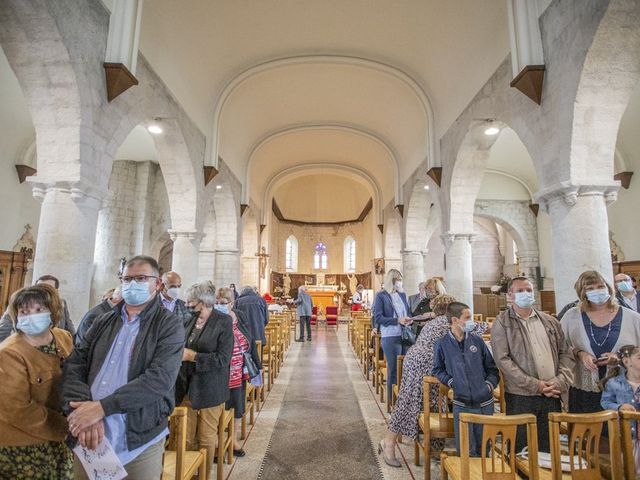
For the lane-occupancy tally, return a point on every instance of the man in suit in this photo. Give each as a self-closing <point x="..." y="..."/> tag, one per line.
<point x="625" y="293"/>
<point x="170" y="293"/>
<point x="414" y="300"/>
<point x="304" y="310"/>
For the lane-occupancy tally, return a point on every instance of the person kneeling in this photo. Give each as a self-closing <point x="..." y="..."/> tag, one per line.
<point x="463" y="362"/>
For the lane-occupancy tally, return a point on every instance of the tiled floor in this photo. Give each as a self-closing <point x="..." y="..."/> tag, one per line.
<point x="321" y="420"/>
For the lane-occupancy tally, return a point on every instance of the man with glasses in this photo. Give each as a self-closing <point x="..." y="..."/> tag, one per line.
<point x="625" y="292"/>
<point x="170" y="296"/>
<point x="119" y="381"/>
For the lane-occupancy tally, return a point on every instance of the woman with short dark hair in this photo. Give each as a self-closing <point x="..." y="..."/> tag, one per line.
<point x="32" y="426"/>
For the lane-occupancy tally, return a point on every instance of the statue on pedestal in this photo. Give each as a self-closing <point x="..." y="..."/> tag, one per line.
<point x="353" y="283"/>
<point x="286" y="284"/>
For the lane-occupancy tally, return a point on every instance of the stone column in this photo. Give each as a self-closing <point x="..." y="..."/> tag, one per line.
<point x="412" y="270"/>
<point x="227" y="268"/>
<point x="186" y="249"/>
<point x="66" y="238"/>
<point x="459" y="271"/>
<point x="580" y="228"/>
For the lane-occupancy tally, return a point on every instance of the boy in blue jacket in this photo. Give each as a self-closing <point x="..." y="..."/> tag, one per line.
<point x="463" y="362"/>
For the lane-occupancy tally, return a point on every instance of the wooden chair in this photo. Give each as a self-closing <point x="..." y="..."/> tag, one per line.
<point x="437" y="424"/>
<point x="178" y="463"/>
<point x="267" y="361"/>
<point x="626" y="421"/>
<point x="395" y="391"/>
<point x="498" y="463"/>
<point x="369" y="350"/>
<point x="584" y="443"/>
<point x="380" y="369"/>
<point x="259" y="391"/>
<point x="477" y="317"/>
<point x="225" y="441"/>
<point x="498" y="394"/>
<point x="249" y="409"/>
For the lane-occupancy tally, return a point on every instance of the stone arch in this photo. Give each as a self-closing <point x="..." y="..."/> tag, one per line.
<point x="207" y="250"/>
<point x="605" y="86"/>
<point x="249" y="266"/>
<point x="227" y="256"/>
<point x="392" y="240"/>
<point x="518" y="220"/>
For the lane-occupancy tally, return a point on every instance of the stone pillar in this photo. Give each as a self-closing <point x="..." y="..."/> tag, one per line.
<point x="412" y="270"/>
<point x="227" y="268"/>
<point x="186" y="249"/>
<point x="580" y="228"/>
<point x="66" y="238"/>
<point x="459" y="270"/>
<point x="251" y="272"/>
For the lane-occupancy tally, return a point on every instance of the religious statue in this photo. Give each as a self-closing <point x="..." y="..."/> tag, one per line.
<point x="286" y="283"/>
<point x="26" y="243"/>
<point x="617" y="255"/>
<point x="262" y="259"/>
<point x="353" y="282"/>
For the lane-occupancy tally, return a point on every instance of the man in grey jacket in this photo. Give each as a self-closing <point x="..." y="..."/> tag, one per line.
<point x="304" y="310"/>
<point x="534" y="358"/>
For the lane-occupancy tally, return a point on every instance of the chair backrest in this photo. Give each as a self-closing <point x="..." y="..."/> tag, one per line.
<point x="477" y="317"/>
<point x="445" y="414"/>
<point x="376" y="348"/>
<point x="399" y="365"/>
<point x="627" y="421"/>
<point x="178" y="425"/>
<point x="585" y="430"/>
<point x="499" y="430"/>
<point x="332" y="310"/>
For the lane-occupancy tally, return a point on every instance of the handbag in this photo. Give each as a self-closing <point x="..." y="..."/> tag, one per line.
<point x="407" y="337"/>
<point x="250" y="365"/>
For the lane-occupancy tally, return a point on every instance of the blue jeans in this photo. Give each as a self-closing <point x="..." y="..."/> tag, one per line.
<point x="475" y="430"/>
<point x="392" y="347"/>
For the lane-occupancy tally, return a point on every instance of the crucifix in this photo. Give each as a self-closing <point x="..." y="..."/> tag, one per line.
<point x="262" y="261"/>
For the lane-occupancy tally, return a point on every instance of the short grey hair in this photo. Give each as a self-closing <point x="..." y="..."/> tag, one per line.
<point x="204" y="292"/>
<point x="247" y="289"/>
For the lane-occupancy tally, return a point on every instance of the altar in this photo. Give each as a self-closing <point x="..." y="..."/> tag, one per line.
<point x="323" y="296"/>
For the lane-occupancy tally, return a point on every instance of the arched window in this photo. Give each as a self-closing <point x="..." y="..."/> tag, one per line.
<point x="291" y="254"/>
<point x="320" y="257"/>
<point x="349" y="254"/>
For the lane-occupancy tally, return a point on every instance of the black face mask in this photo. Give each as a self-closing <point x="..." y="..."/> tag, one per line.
<point x="193" y="312"/>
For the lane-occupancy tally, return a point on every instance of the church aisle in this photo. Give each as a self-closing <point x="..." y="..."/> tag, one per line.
<point x="320" y="432"/>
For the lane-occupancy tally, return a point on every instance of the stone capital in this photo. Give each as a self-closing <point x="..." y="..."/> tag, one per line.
<point x="82" y="192"/>
<point x="450" y="238"/>
<point x="569" y="193"/>
<point x="412" y="252"/>
<point x="186" y="234"/>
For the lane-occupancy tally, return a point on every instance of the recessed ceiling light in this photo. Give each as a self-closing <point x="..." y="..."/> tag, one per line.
<point x="155" y="129"/>
<point x="218" y="187"/>
<point x="426" y="187"/>
<point x="491" y="131"/>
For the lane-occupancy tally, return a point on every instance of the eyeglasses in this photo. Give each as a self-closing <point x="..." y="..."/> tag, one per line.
<point x="137" y="278"/>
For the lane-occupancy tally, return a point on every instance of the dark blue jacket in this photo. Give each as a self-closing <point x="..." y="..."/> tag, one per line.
<point x="469" y="370"/>
<point x="383" y="312"/>
<point x="255" y="309"/>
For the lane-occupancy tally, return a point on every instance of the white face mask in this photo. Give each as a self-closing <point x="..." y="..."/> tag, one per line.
<point x="398" y="285"/>
<point x="173" y="292"/>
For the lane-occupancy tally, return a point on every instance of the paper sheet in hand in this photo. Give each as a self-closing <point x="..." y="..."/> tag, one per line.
<point x="101" y="463"/>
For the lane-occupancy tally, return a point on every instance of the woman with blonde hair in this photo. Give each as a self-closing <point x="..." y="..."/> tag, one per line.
<point x="595" y="329"/>
<point x="32" y="426"/>
<point x="417" y="363"/>
<point x="390" y="313"/>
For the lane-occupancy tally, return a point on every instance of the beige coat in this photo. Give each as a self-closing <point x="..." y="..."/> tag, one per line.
<point x="30" y="410"/>
<point x="512" y="353"/>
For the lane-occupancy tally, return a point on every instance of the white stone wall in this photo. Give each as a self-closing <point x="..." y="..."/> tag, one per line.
<point x="333" y="237"/>
<point x="136" y="216"/>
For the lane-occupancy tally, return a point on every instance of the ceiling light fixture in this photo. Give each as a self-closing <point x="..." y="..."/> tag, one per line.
<point x="491" y="131"/>
<point x="426" y="187"/>
<point x="218" y="187"/>
<point x="155" y="129"/>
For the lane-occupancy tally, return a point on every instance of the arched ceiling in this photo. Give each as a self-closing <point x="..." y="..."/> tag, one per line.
<point x="326" y="198"/>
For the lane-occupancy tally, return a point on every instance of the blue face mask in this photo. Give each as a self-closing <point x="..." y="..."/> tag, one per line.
<point x="134" y="293"/>
<point x="524" y="299"/>
<point x="34" y="324"/>
<point x="625" y="286"/>
<point x="222" y="308"/>
<point x="469" y="325"/>
<point x="598" y="297"/>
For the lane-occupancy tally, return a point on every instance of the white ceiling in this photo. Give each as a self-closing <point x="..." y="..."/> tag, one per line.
<point x="325" y="198"/>
<point x="138" y="146"/>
